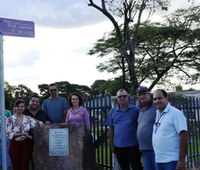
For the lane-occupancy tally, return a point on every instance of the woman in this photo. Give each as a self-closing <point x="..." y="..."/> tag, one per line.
<point x="18" y="127"/>
<point x="77" y="114"/>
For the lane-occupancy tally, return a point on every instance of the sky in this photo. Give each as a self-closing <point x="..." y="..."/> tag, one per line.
<point x="65" y="30"/>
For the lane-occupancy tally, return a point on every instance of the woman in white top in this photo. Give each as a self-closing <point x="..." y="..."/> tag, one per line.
<point x="18" y="127"/>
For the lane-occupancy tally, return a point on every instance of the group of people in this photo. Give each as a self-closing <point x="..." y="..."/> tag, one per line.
<point x="155" y="132"/>
<point x="54" y="109"/>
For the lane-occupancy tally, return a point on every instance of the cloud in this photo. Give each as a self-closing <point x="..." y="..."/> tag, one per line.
<point x="52" y="13"/>
<point x="23" y="59"/>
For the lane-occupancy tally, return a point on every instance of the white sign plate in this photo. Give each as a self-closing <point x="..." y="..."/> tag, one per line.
<point x="59" y="142"/>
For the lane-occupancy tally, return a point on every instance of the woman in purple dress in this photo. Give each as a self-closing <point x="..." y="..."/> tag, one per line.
<point x="77" y="114"/>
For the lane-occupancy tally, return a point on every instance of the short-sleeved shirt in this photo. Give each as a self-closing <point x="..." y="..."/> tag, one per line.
<point x="166" y="130"/>
<point x="41" y="115"/>
<point x="146" y="121"/>
<point x="124" y="123"/>
<point x="55" y="108"/>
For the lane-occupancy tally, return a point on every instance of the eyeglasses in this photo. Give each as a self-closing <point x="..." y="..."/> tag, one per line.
<point x="122" y="96"/>
<point x="157" y="98"/>
<point x="53" y="90"/>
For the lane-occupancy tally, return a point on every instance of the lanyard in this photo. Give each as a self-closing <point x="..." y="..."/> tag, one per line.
<point x="159" y="119"/>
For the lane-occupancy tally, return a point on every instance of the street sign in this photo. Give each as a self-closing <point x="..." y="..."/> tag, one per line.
<point x="19" y="28"/>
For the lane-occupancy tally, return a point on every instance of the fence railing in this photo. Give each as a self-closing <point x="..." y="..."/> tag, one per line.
<point x="99" y="107"/>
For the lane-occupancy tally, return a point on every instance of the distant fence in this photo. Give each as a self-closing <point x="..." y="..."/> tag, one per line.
<point x="99" y="107"/>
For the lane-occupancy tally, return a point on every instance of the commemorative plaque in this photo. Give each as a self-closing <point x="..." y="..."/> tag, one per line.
<point x="59" y="142"/>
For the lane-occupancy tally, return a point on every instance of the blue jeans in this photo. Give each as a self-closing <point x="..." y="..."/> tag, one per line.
<point x="167" y="166"/>
<point x="148" y="158"/>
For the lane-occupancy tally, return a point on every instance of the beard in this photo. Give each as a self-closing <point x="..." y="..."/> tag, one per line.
<point x="34" y="107"/>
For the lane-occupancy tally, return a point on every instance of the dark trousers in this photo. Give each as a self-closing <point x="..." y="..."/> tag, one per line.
<point x="127" y="156"/>
<point x="20" y="154"/>
<point x="32" y="162"/>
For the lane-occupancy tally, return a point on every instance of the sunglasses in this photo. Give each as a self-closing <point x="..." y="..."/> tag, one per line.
<point x="122" y="96"/>
<point x="53" y="90"/>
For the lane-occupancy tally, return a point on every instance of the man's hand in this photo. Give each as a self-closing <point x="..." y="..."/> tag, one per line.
<point x="41" y="124"/>
<point x="47" y="123"/>
<point x="181" y="165"/>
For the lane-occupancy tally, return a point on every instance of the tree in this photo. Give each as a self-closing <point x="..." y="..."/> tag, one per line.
<point x="82" y="89"/>
<point x="171" y="49"/>
<point x="130" y="11"/>
<point x="65" y="88"/>
<point x="103" y="48"/>
<point x="179" y="88"/>
<point x="23" y="92"/>
<point x="98" y="87"/>
<point x="44" y="92"/>
<point x="162" y="51"/>
<point x="112" y="86"/>
<point x="16" y="92"/>
<point x="9" y="96"/>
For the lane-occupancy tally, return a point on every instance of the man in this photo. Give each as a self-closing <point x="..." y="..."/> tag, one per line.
<point x="55" y="106"/>
<point x="170" y="135"/>
<point x="146" y="121"/>
<point x="122" y="122"/>
<point x="34" y="110"/>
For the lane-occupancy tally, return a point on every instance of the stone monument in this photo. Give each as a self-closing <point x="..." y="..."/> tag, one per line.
<point x="58" y="147"/>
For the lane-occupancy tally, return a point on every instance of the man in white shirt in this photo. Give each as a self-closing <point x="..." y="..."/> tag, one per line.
<point x="170" y="137"/>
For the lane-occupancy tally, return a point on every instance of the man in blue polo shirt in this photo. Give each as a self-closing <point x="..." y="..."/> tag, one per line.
<point x="122" y="122"/>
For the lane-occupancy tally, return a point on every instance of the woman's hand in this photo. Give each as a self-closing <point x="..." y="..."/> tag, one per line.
<point x="28" y="136"/>
<point x="23" y="134"/>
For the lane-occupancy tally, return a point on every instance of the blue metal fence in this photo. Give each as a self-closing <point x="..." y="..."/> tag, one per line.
<point x="99" y="107"/>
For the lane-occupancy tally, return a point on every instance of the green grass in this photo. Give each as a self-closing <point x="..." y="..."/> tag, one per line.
<point x="102" y="153"/>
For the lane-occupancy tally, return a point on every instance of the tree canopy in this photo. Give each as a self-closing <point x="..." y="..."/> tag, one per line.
<point x="22" y="92"/>
<point x="146" y="51"/>
<point x="125" y="14"/>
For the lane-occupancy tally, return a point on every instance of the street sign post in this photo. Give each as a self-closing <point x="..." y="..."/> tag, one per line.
<point x="9" y="27"/>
